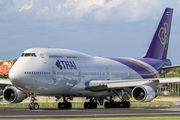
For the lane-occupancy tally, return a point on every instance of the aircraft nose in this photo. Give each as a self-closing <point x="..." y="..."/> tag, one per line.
<point x="13" y="75"/>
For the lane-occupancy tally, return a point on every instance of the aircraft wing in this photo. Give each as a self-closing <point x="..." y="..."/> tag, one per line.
<point x="100" y="85"/>
<point x="4" y="83"/>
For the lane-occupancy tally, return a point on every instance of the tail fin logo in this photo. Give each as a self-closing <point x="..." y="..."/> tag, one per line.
<point x="163" y="34"/>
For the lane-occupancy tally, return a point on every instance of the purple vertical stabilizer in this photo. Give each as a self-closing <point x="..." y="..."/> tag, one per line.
<point x="159" y="45"/>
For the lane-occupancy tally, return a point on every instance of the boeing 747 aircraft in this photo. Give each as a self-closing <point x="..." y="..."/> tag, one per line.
<point x="66" y="74"/>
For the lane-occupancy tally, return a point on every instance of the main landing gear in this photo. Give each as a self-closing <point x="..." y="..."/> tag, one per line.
<point x="32" y="105"/>
<point x="113" y="104"/>
<point x="90" y="105"/>
<point x="65" y="104"/>
<point x="123" y="104"/>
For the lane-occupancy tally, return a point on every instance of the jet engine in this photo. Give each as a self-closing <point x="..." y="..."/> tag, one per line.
<point x="143" y="93"/>
<point x="13" y="95"/>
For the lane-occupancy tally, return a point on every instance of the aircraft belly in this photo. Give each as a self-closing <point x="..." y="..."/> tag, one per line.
<point x="49" y="87"/>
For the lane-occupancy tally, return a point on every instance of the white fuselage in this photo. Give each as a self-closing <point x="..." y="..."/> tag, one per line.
<point x="59" y="72"/>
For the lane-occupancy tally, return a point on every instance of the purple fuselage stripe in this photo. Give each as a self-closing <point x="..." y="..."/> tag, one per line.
<point x="157" y="64"/>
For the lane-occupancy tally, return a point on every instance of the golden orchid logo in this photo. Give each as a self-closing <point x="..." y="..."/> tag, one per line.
<point x="163" y="35"/>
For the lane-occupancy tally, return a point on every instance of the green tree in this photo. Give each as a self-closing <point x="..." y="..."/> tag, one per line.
<point x="14" y="61"/>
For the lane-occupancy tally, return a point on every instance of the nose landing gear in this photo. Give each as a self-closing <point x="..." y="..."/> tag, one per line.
<point x="32" y="105"/>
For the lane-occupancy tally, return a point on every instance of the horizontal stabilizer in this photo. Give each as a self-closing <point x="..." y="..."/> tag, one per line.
<point x="170" y="67"/>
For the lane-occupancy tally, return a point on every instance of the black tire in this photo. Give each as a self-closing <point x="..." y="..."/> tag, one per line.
<point x="30" y="106"/>
<point x="124" y="104"/>
<point x="114" y="105"/>
<point x="88" y="105"/>
<point x="128" y="104"/>
<point x="69" y="105"/>
<point x="118" y="104"/>
<point x="85" y="105"/>
<point x="59" y="105"/>
<point x="121" y="104"/>
<point x="95" y="105"/>
<point x="108" y="104"/>
<point x="64" y="105"/>
<point x="36" y="106"/>
<point x="105" y="105"/>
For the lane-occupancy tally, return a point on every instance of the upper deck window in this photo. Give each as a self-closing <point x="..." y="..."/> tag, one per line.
<point x="55" y="56"/>
<point x="28" y="55"/>
<point x="71" y="56"/>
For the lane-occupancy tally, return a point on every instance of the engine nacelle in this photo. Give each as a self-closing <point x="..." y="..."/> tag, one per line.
<point x="13" y="95"/>
<point x="143" y="93"/>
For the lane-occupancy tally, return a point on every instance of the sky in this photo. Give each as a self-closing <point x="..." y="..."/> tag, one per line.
<point x="111" y="28"/>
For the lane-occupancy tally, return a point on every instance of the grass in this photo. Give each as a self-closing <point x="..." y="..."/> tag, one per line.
<point x="174" y="96"/>
<point x="81" y="104"/>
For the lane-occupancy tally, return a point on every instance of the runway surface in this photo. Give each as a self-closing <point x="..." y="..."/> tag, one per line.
<point x="25" y="113"/>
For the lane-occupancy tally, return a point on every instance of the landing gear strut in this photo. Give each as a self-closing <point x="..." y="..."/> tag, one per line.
<point x="32" y="105"/>
<point x="90" y="105"/>
<point x="65" y="104"/>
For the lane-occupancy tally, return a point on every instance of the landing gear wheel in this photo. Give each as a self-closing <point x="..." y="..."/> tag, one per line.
<point x="34" y="106"/>
<point x="85" y="105"/>
<point x="30" y="107"/>
<point x="108" y="105"/>
<point x="63" y="105"/>
<point x="118" y="104"/>
<point x="69" y="105"/>
<point x="59" y="105"/>
<point x="128" y="104"/>
<point x="95" y="105"/>
<point x="66" y="105"/>
<point x="90" y="105"/>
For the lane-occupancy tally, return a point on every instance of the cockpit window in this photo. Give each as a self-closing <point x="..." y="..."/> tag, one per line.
<point x="28" y="55"/>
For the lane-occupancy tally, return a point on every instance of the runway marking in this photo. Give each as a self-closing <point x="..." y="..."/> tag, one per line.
<point x="88" y="115"/>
